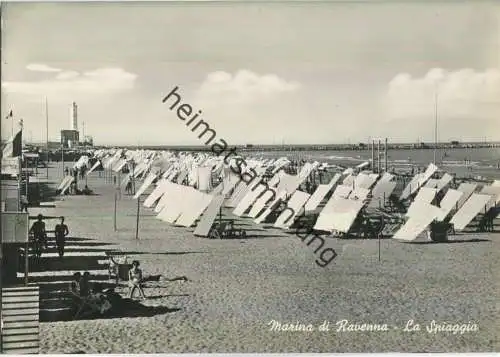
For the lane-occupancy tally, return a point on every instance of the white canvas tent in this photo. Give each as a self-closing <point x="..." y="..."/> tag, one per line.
<point x="97" y="163"/>
<point x="260" y="204"/>
<point x="67" y="184"/>
<point x="147" y="182"/>
<point x="205" y="224"/>
<point x="287" y="217"/>
<point x="381" y="192"/>
<point x="467" y="189"/>
<point x="249" y="199"/>
<point x="339" y="215"/>
<point x="418" y="181"/>
<point x="418" y="222"/>
<point x="471" y="208"/>
<point x="316" y="198"/>
<point x="197" y="205"/>
<point x="271" y="207"/>
<point x="426" y="194"/>
<point x="449" y="203"/>
<point x="156" y="194"/>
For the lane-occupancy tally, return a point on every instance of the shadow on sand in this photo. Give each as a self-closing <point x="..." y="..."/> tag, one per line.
<point x="473" y="240"/>
<point x="54" y="274"/>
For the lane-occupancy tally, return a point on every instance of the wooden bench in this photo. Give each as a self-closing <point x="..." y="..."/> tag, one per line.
<point x="20" y="320"/>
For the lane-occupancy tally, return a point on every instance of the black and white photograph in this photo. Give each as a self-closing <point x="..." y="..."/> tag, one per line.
<point x="250" y="177"/>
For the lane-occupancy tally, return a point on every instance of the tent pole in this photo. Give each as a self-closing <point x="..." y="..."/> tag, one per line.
<point x="137" y="221"/>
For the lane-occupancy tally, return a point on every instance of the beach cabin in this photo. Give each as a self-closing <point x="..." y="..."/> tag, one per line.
<point x="19" y="301"/>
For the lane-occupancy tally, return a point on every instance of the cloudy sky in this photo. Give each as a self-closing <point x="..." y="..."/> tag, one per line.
<point x="261" y="73"/>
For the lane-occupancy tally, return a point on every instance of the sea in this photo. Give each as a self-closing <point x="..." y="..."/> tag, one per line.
<point x="464" y="162"/>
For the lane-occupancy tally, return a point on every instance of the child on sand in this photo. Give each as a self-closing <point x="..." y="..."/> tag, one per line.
<point x="135" y="280"/>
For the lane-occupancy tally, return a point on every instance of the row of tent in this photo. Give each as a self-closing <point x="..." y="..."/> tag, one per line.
<point x="176" y="201"/>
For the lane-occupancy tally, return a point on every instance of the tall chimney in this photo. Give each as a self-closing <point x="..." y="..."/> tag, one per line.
<point x="73" y="116"/>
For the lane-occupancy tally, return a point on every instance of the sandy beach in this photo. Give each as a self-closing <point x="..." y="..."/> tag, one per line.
<point x="236" y="287"/>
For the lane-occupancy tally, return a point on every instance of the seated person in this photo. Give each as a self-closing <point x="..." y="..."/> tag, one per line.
<point x="99" y="300"/>
<point x="74" y="289"/>
<point x="85" y="285"/>
<point x="74" y="285"/>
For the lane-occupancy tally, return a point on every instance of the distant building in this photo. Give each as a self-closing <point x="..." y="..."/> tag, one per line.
<point x="88" y="140"/>
<point x="70" y="138"/>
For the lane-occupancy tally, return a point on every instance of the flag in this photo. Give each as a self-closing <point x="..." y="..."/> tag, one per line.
<point x="14" y="146"/>
<point x="10" y="116"/>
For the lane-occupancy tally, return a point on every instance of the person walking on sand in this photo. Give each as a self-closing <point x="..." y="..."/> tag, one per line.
<point x="61" y="231"/>
<point x="135" y="280"/>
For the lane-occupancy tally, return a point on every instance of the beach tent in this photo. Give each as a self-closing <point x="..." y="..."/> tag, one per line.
<point x="177" y="197"/>
<point x="363" y="165"/>
<point x="278" y="165"/>
<point x="426" y="194"/>
<point x="260" y="204"/>
<point x="64" y="182"/>
<point x="182" y="175"/>
<point x="493" y="191"/>
<point x="349" y="171"/>
<point x="204" y="178"/>
<point x="418" y="181"/>
<point x="381" y="192"/>
<point x="164" y="197"/>
<point x="444" y="181"/>
<point x="156" y="194"/>
<point x="97" y="163"/>
<point x="365" y="181"/>
<point x="349" y="180"/>
<point x="67" y="184"/>
<point x="449" y="203"/>
<point x="119" y="165"/>
<point x="281" y="196"/>
<point x="218" y="189"/>
<point x="190" y="213"/>
<point x="342" y="191"/>
<point x="316" y="198"/>
<point x="249" y="199"/>
<point x="433" y="183"/>
<point x="82" y="161"/>
<point x="418" y="222"/>
<point x="359" y="193"/>
<point x="230" y="180"/>
<point x="239" y="192"/>
<point x="296" y="203"/>
<point x="147" y="182"/>
<point x="205" y="224"/>
<point x="125" y="181"/>
<point x="471" y="208"/>
<point x="339" y="215"/>
<point x="467" y="189"/>
<point x="334" y="180"/>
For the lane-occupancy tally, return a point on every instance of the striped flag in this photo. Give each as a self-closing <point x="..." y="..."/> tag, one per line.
<point x="13" y="147"/>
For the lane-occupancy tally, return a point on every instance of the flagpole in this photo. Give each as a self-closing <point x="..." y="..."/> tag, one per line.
<point x="47" y="134"/>
<point x="20" y="161"/>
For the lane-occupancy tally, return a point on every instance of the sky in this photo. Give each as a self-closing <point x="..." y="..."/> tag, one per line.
<point x="261" y="73"/>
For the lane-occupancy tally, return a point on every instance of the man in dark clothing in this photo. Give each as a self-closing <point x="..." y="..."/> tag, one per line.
<point x="61" y="231"/>
<point x="39" y="235"/>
